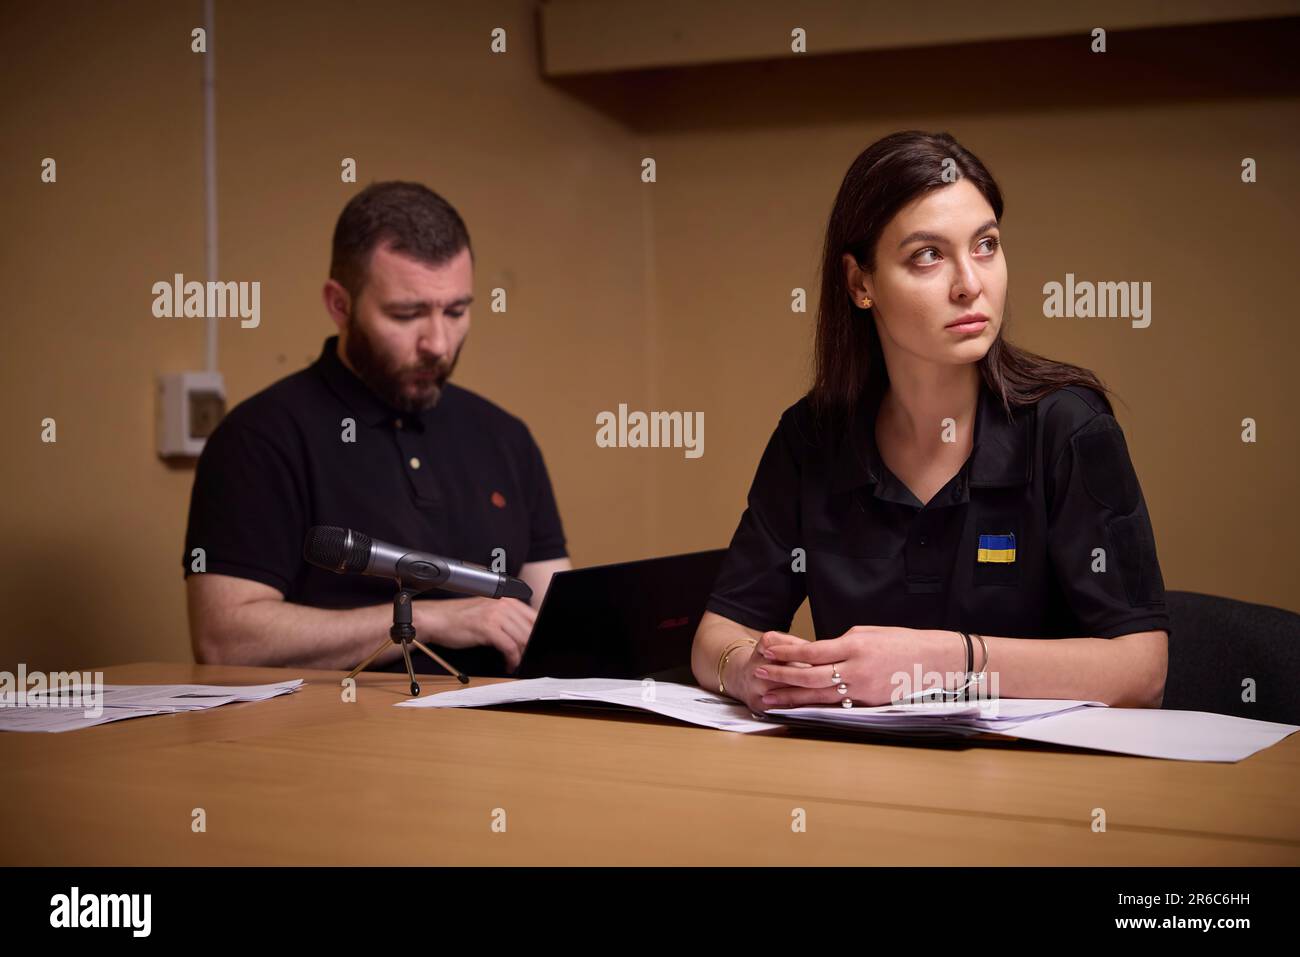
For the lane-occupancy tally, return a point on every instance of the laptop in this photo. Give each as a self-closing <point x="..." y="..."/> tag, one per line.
<point x="629" y="620"/>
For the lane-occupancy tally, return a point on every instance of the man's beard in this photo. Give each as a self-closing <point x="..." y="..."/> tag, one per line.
<point x="388" y="381"/>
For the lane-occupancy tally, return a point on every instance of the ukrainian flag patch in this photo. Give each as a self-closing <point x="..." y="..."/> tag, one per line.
<point x="997" y="548"/>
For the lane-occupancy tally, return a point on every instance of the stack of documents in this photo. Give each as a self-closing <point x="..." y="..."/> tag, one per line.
<point x="924" y="718"/>
<point x="1182" y="735"/>
<point x="91" y="705"/>
<point x="683" y="702"/>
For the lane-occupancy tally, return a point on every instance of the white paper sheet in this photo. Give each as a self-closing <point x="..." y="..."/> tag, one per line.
<point x="1179" y="735"/>
<point x="1155" y="733"/>
<point x="120" y="702"/>
<point x="684" y="702"/>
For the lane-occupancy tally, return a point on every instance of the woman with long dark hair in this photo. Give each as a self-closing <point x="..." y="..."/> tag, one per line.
<point x="962" y="515"/>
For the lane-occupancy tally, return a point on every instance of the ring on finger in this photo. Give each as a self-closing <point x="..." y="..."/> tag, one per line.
<point x="841" y="686"/>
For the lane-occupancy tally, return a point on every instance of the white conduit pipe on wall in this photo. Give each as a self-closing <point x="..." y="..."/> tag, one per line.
<point x="210" y="171"/>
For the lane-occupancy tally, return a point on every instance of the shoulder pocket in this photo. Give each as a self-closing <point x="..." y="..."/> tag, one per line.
<point x="1135" y="554"/>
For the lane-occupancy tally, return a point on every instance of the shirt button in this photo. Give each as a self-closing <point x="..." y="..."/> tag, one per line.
<point x="415" y="463"/>
<point x="922" y="539"/>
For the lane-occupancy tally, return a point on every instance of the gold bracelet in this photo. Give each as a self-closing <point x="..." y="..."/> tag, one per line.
<point x="722" y="661"/>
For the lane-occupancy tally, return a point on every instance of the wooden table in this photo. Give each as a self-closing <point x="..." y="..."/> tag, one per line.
<point x="309" y="779"/>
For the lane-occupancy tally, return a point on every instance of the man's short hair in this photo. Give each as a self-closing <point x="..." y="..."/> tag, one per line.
<point x="408" y="217"/>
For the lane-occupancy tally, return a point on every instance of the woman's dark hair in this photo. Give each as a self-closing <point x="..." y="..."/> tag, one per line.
<point x="849" y="362"/>
<point x="412" y="219"/>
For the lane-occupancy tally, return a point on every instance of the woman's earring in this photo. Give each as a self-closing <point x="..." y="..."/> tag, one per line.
<point x="866" y="303"/>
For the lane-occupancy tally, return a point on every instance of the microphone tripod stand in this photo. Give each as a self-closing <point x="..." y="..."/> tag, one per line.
<point x="403" y="633"/>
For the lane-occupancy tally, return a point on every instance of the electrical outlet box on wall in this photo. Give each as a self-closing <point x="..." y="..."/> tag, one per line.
<point x="190" y="404"/>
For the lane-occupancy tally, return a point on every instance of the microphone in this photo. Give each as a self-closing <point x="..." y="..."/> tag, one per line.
<point x="342" y="550"/>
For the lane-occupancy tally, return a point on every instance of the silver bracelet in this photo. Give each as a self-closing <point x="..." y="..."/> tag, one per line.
<point x="979" y="677"/>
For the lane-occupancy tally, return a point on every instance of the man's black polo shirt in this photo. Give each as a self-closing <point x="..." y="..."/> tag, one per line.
<point x="1043" y="532"/>
<point x="462" y="480"/>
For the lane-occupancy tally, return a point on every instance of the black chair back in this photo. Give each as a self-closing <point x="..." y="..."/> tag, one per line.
<point x="1216" y="644"/>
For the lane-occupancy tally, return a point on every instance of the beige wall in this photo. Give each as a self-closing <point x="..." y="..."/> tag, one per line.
<point x="666" y="296"/>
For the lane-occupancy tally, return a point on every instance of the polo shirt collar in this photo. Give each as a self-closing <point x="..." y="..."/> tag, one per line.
<point x="1000" y="454"/>
<point x="360" y="399"/>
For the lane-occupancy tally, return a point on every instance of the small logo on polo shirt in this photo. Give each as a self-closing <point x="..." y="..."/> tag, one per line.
<point x="498" y="500"/>
<point x="997" y="548"/>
